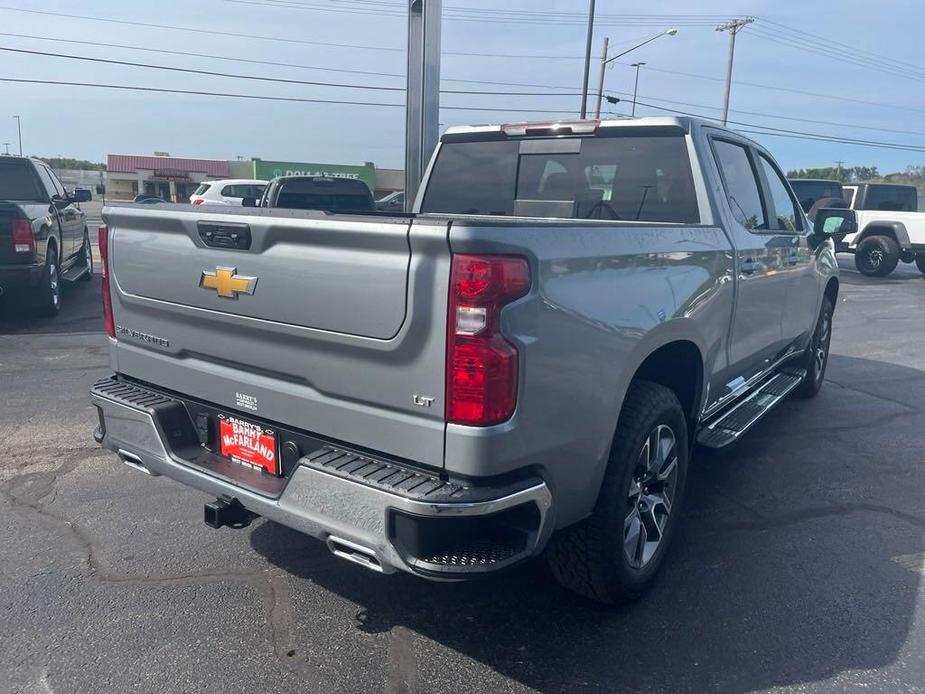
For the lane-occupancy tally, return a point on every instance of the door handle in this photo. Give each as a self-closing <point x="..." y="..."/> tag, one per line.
<point x="749" y="266"/>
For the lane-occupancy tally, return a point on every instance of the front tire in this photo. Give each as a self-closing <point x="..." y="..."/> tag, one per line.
<point x="876" y="256"/>
<point x="614" y="555"/>
<point x="817" y="353"/>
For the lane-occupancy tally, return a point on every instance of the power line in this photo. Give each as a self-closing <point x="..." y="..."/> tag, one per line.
<point x="401" y="89"/>
<point x="257" y="97"/>
<point x="796" y="133"/>
<point x="279" y="39"/>
<point x="765" y="130"/>
<point x="777" y="117"/>
<point x="272" y="63"/>
<point x="261" y="78"/>
<point x="856" y="60"/>
<point x="497" y="16"/>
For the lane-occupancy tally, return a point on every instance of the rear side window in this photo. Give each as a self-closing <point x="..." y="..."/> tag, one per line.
<point x="201" y="190"/>
<point x="892" y="198"/>
<point x="235" y="191"/>
<point x="741" y="185"/>
<point x="18" y="183"/>
<point x="46" y="181"/>
<point x="612" y="177"/>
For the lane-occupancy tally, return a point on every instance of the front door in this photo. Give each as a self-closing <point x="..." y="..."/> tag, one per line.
<point x="786" y="216"/>
<point x="756" y="336"/>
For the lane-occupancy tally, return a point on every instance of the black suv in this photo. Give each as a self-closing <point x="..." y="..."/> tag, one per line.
<point x="43" y="235"/>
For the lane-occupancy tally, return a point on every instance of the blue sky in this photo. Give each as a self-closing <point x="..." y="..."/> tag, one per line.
<point x="89" y="123"/>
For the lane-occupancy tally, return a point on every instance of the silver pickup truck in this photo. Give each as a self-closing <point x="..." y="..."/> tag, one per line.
<point x="522" y="365"/>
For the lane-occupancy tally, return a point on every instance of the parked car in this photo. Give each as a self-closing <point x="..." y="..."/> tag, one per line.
<point x="316" y="193"/>
<point x="44" y="239"/>
<point x="815" y="193"/>
<point x="522" y="364"/>
<point x="393" y="202"/>
<point x="890" y="227"/>
<point x="228" y="192"/>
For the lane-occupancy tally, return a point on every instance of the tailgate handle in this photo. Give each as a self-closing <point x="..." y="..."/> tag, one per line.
<point x="229" y="235"/>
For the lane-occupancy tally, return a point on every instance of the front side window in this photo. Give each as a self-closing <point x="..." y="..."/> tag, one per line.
<point x="616" y="176"/>
<point x="741" y="185"/>
<point x="784" y="216"/>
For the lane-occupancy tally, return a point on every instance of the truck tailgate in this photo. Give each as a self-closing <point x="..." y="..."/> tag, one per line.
<point x="331" y="324"/>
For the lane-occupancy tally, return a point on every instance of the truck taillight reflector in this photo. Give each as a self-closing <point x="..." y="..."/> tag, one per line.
<point x="103" y="240"/>
<point x="23" y="240"/>
<point x="481" y="379"/>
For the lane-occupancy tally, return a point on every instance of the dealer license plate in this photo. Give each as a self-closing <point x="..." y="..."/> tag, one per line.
<point x="247" y="444"/>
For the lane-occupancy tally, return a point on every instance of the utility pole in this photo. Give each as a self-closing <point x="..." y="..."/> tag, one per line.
<point x="635" y="86"/>
<point x="7" y="145"/>
<point x="584" y="73"/>
<point x="600" y="91"/>
<point x="19" y="129"/>
<point x="422" y="95"/>
<point x="733" y="27"/>
<point x="838" y="165"/>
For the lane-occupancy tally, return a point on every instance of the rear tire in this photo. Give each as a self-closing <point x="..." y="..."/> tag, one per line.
<point x="86" y="255"/>
<point x="876" y="256"/>
<point x="614" y="555"/>
<point x="817" y="353"/>
<point x="920" y="262"/>
<point x="48" y="293"/>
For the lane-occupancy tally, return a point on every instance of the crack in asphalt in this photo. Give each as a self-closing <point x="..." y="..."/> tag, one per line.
<point x="27" y="491"/>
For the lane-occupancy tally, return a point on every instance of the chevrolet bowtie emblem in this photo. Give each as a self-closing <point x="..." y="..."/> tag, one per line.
<point x="227" y="282"/>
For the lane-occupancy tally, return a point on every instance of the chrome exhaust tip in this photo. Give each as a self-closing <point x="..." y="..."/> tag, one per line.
<point x="345" y="549"/>
<point x="134" y="462"/>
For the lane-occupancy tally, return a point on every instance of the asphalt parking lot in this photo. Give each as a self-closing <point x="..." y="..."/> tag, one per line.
<point x="798" y="568"/>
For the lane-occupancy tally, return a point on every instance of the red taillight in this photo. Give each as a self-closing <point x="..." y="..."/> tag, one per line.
<point x="481" y="379"/>
<point x="23" y="240"/>
<point x="103" y="239"/>
<point x="198" y="201"/>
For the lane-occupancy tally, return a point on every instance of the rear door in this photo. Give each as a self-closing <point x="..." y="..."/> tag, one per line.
<point x="761" y="288"/>
<point x="332" y="324"/>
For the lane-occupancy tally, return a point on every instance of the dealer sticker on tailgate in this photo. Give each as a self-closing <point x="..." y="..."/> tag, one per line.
<point x="247" y="443"/>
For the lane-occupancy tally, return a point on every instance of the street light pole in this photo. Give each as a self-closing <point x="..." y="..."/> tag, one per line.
<point x="19" y="129"/>
<point x="584" y="79"/>
<point x="733" y="27"/>
<point x="7" y="145"/>
<point x="635" y="86"/>
<point x="600" y="95"/>
<point x="605" y="61"/>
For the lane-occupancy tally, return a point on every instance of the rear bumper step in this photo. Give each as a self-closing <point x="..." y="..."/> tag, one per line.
<point x="379" y="513"/>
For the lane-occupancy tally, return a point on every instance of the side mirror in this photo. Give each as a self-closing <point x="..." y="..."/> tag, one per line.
<point x="249" y="202"/>
<point x="835" y="221"/>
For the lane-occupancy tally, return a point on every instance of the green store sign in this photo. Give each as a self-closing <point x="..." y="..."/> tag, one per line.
<point x="265" y="170"/>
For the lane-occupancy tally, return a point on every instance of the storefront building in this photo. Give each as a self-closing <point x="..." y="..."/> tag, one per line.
<point x="265" y="170"/>
<point x="171" y="178"/>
